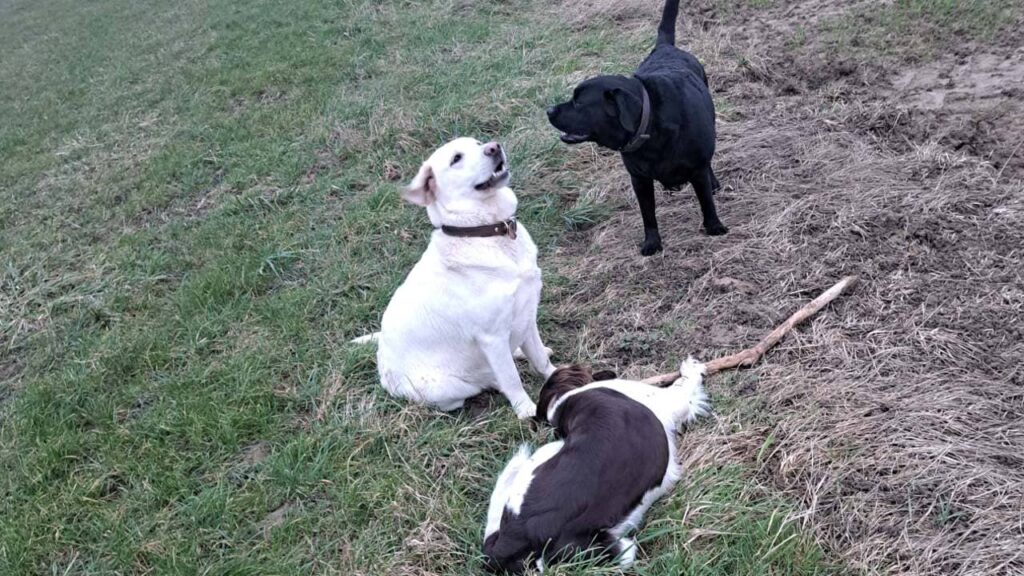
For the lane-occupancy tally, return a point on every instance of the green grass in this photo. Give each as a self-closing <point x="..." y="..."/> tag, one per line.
<point x="194" y="219"/>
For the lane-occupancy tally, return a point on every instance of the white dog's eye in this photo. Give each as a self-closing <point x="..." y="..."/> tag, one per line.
<point x="455" y="159"/>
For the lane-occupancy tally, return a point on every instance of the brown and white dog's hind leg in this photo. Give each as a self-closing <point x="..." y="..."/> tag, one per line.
<point x="627" y="552"/>
<point x="503" y="488"/>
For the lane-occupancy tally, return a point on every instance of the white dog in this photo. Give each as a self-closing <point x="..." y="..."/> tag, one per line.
<point x="451" y="329"/>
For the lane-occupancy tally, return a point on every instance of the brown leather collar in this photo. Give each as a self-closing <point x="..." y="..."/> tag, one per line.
<point x="506" y="228"/>
<point x="643" y="133"/>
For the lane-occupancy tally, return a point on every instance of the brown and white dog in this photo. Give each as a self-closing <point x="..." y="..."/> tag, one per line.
<point x="615" y="456"/>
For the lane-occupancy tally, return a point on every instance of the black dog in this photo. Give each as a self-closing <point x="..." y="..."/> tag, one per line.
<point x="662" y="121"/>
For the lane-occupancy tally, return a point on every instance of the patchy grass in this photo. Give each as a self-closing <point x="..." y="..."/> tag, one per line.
<point x="197" y="211"/>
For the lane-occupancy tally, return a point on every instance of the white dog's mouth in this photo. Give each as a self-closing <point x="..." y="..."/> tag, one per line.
<point x="497" y="178"/>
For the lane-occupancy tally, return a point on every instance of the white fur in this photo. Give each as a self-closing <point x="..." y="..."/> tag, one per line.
<point x="450" y="329"/>
<point x="502" y="488"/>
<point x="628" y="554"/>
<point x="518" y="354"/>
<point x="368" y="339"/>
<point x="521" y="484"/>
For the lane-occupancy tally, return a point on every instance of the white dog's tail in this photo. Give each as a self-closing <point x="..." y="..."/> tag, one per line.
<point x="368" y="339"/>
<point x="690" y="400"/>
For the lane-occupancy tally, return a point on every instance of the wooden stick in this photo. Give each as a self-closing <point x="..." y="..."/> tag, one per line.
<point x="750" y="356"/>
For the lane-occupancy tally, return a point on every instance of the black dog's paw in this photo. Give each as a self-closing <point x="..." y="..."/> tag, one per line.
<point x="716" y="229"/>
<point x="650" y="247"/>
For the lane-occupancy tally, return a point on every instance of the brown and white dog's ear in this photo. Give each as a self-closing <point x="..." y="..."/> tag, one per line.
<point x="422" y="191"/>
<point x="560" y="382"/>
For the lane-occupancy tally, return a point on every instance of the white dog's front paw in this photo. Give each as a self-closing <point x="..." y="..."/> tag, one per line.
<point x="691" y="368"/>
<point x="525" y="409"/>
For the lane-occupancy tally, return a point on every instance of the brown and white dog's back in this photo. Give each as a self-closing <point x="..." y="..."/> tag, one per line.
<point x="615" y="457"/>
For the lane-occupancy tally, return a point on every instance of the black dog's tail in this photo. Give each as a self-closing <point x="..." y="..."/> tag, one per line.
<point x="667" y="28"/>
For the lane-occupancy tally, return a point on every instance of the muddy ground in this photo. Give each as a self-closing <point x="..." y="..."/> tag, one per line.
<point x="866" y="138"/>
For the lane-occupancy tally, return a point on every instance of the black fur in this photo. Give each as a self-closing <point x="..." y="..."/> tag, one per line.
<point x="607" y="110"/>
<point x="615" y="451"/>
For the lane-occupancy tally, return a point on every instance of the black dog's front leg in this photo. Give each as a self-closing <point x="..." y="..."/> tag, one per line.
<point x="703" y="185"/>
<point x="644" y="190"/>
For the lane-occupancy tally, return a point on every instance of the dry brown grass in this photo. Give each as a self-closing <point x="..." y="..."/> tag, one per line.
<point x="631" y="12"/>
<point x="896" y="418"/>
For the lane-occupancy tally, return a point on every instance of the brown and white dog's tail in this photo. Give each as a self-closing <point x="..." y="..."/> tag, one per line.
<point x="689" y="399"/>
<point x="368" y="339"/>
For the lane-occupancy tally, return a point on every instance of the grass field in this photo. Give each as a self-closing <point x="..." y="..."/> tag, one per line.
<point x="199" y="208"/>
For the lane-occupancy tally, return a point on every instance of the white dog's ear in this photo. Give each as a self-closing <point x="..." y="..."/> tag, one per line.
<point x="422" y="191"/>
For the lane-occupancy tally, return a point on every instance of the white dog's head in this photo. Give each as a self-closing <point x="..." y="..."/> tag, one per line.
<point x="460" y="180"/>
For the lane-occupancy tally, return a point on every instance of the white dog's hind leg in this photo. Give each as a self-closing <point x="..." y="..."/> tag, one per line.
<point x="368" y="339"/>
<point x="520" y="355"/>
<point x="506" y="376"/>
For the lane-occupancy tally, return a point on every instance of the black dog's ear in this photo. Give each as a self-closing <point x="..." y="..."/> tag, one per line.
<point x="611" y="107"/>
<point x="605" y="375"/>
<point x="622" y="105"/>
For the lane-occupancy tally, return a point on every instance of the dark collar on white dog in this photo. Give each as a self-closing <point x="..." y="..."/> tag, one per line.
<point x="506" y="228"/>
<point x="642" y="134"/>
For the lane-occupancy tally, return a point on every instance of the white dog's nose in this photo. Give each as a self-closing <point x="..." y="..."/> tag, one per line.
<point x="492" y="149"/>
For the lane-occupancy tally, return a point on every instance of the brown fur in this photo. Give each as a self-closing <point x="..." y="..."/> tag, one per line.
<point x="561" y="381"/>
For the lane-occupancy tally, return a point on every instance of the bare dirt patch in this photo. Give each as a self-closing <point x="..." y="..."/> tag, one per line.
<point x="263" y="97"/>
<point x="583" y="13"/>
<point x="895" y="419"/>
<point x="255" y="453"/>
<point x="973" y="103"/>
<point x="276" y="518"/>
